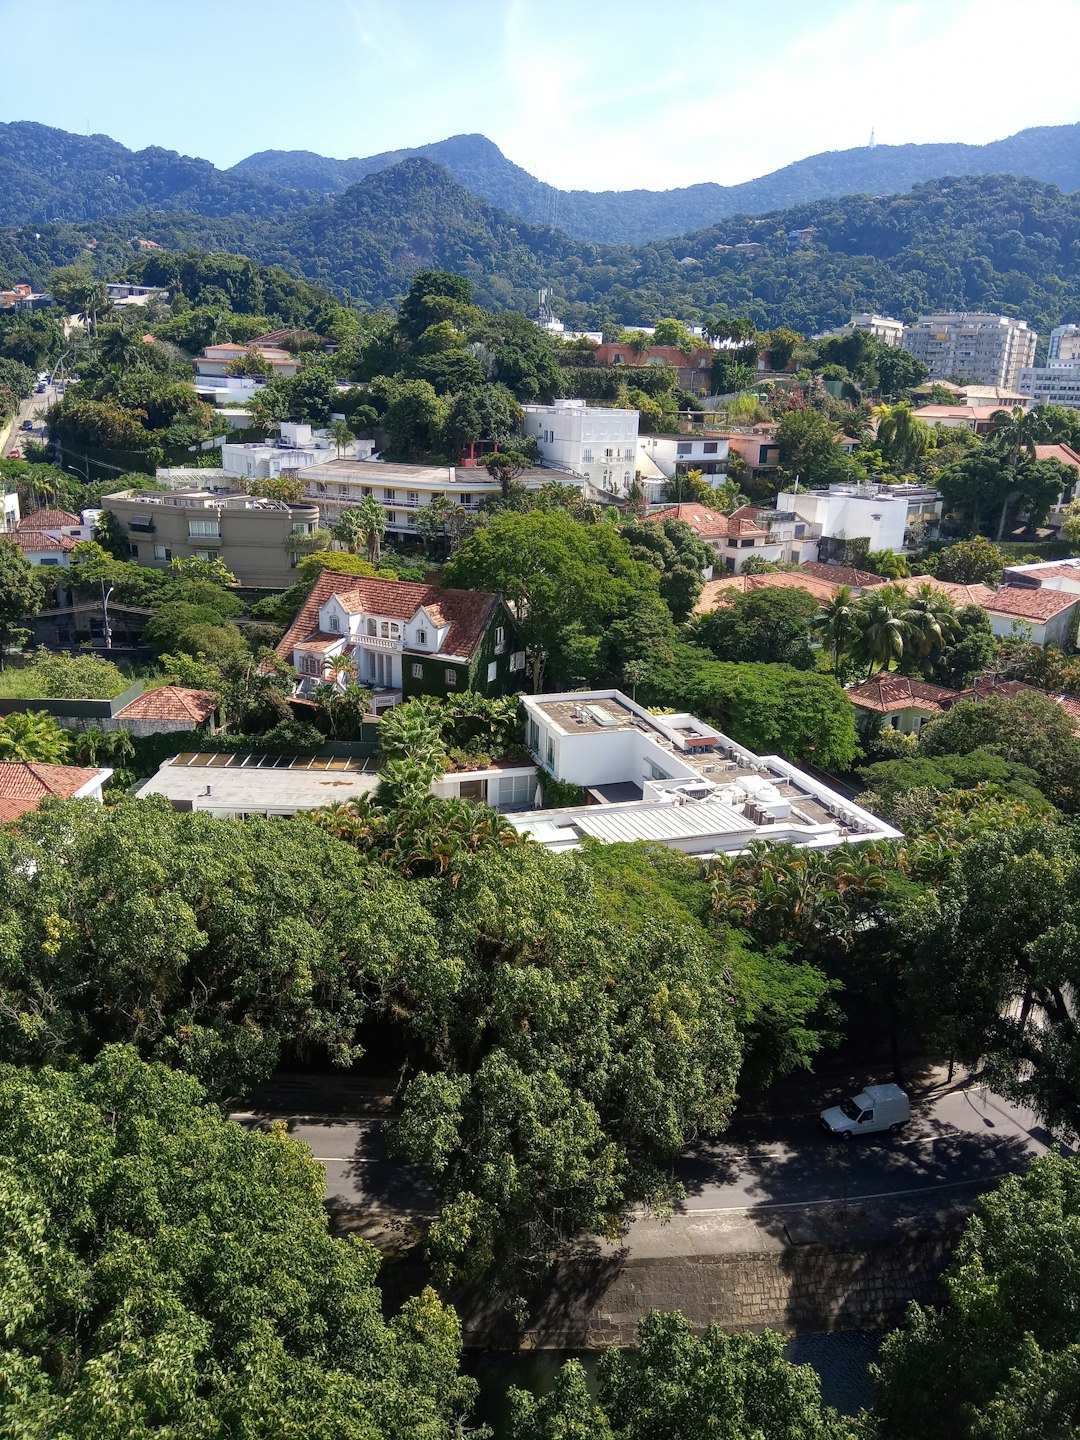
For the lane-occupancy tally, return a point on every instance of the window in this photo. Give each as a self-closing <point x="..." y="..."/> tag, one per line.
<point x="162" y="552"/>
<point x="372" y="627"/>
<point x="549" y="754"/>
<point x="500" y="639"/>
<point x="414" y="498"/>
<point x="709" y="448"/>
<point x="421" y="637"/>
<point x="206" y="555"/>
<point x="391" y="517"/>
<point x="334" y="621"/>
<point x="450" y="678"/>
<point x="418" y="672"/>
<point x="493" y="671"/>
<point x="390" y="494"/>
<point x="517" y="660"/>
<point x="209" y="528"/>
<point x="586" y="454"/>
<point x="385" y="628"/>
<point x="684" y="447"/>
<point x="516" y="792"/>
<point x="534" y="736"/>
<point x="50" y="561"/>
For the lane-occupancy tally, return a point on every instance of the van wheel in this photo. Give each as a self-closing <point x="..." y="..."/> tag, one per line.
<point x="895" y="1129"/>
<point x="845" y="1135"/>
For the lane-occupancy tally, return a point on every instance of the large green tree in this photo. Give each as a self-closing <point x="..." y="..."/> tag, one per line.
<point x="772" y="625"/>
<point x="774" y="709"/>
<point x="167" y="1272"/>
<point x="21" y="596"/>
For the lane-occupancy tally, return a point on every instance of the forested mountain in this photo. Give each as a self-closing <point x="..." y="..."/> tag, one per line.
<point x="1051" y="153"/>
<point x="48" y="174"/>
<point x="990" y="242"/>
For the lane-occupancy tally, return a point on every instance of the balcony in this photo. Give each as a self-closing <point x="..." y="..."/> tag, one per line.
<point x="141" y="527"/>
<point x="379" y="642"/>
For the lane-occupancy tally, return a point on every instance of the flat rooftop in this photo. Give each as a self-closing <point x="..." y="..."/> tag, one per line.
<point x="259" y="784"/>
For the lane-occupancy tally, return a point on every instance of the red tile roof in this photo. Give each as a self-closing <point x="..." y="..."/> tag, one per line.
<point x="842" y="575"/>
<point x="48" y="520"/>
<point x="1029" y="604"/>
<point x="468" y="612"/>
<point x="34" y="540"/>
<point x="720" y="592"/>
<point x="171" y="702"/>
<point x="884" y="692"/>
<point x="23" y="785"/>
<point x="1065" y="453"/>
<point x="710" y="524"/>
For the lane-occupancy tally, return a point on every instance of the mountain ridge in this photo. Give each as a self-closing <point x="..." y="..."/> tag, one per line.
<point x="1048" y="153"/>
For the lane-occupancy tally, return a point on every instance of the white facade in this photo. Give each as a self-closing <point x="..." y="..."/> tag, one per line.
<point x="402" y="490"/>
<point x="9" y="512"/>
<point x="1053" y="384"/>
<point x="1064" y="344"/>
<point x="676" y="454"/>
<point x="880" y="515"/>
<point x="673" y="780"/>
<point x="881" y="327"/>
<point x="598" y="444"/>
<point x="989" y="349"/>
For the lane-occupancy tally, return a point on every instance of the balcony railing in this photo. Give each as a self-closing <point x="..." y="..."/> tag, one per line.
<point x="379" y="642"/>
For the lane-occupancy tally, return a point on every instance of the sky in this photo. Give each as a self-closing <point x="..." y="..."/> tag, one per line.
<point x="586" y="94"/>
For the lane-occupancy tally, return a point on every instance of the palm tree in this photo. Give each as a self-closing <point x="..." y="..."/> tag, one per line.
<point x="349" y="530"/>
<point x="880" y="633"/>
<point x="902" y="436"/>
<point x="120" y="348"/>
<point x="930" y="622"/>
<point x="727" y="498"/>
<point x="837" y="623"/>
<point x="373" y="523"/>
<point x="1018" y="431"/>
<point x="739" y="377"/>
<point x="341" y="435"/>
<point x="33" y="735"/>
<point x="343" y="665"/>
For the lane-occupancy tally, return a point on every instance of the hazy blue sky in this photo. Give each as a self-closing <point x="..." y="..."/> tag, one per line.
<point x="586" y="93"/>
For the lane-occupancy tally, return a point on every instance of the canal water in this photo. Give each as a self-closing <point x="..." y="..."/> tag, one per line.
<point x="842" y="1362"/>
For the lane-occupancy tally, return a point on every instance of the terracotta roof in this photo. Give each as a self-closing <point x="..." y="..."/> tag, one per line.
<point x="842" y="575"/>
<point x="709" y="524"/>
<point x="48" y="520"/>
<point x="960" y="595"/>
<point x="1064" y="571"/>
<point x="885" y="692"/>
<point x="974" y="413"/>
<point x="469" y="612"/>
<point x="41" y="540"/>
<point x="1065" y="453"/>
<point x="320" y="642"/>
<point x="1029" y="604"/>
<point x="171" y="702"/>
<point x="720" y="592"/>
<point x="23" y="785"/>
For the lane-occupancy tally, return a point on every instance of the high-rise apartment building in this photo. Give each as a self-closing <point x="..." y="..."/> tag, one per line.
<point x="1064" y="345"/>
<point x="988" y="349"/>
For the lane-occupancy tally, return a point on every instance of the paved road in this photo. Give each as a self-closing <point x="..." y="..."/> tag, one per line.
<point x="960" y="1139"/>
<point x="33" y="408"/>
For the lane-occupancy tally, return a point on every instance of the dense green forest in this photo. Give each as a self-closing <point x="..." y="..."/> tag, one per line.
<point x="991" y="243"/>
<point x="52" y="175"/>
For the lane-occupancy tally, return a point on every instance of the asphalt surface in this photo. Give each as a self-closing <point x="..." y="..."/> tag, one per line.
<point x="33" y="408"/>
<point x="961" y="1139"/>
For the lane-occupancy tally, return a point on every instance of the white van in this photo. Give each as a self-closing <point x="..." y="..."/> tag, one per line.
<point x="877" y="1108"/>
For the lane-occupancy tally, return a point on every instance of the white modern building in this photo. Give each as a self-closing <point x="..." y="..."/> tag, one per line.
<point x="598" y="444"/>
<point x="9" y="512"/>
<point x="880" y="514"/>
<point x="1057" y="383"/>
<point x="296" y="448"/>
<point x="676" y="454"/>
<point x="1064" y="344"/>
<point x="881" y="327"/>
<point x="989" y="349"/>
<point x="675" y="781"/>
<point x="122" y="294"/>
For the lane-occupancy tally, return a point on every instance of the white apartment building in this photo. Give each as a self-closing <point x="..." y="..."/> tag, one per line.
<point x="676" y="454"/>
<point x="296" y="448"/>
<point x="401" y="490"/>
<point x="1057" y="383"/>
<point x="879" y="514"/>
<point x="1064" y="344"/>
<point x="989" y="349"/>
<point x="675" y="781"/>
<point x="881" y="327"/>
<point x="597" y="444"/>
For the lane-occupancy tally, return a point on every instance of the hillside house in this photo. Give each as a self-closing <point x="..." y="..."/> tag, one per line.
<point x="404" y="639"/>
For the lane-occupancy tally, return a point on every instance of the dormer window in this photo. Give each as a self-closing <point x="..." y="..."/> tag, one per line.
<point x="334" y="622"/>
<point x="421" y="637"/>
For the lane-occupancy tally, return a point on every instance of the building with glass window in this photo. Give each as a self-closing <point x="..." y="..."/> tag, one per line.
<point x="249" y="534"/>
<point x="400" y="639"/>
<point x="590" y="441"/>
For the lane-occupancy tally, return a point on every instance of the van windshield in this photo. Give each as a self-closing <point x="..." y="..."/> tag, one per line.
<point x="850" y="1109"/>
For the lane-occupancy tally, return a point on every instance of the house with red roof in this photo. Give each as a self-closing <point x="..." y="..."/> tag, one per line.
<point x="733" y="538"/>
<point x="47" y="537"/>
<point x="25" y="784"/>
<point x="1049" y="615"/>
<point x="403" y="639"/>
<point x="904" y="703"/>
<point x="166" y="710"/>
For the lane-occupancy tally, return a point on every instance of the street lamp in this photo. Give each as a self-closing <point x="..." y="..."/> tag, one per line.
<point x="105" y="595"/>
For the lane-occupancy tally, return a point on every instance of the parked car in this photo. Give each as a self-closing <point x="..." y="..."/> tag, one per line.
<point x="15" y="454"/>
<point x="27" y="425"/>
<point x="41" y="387"/>
<point x="877" y="1108"/>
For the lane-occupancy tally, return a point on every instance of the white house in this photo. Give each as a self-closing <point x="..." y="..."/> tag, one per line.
<point x="595" y="443"/>
<point x="879" y="514"/>
<point x="47" y="537"/>
<point x="9" y="511"/>
<point x="676" y="454"/>
<point x="734" y="539"/>
<point x="24" y="784"/>
<point x="673" y="780"/>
